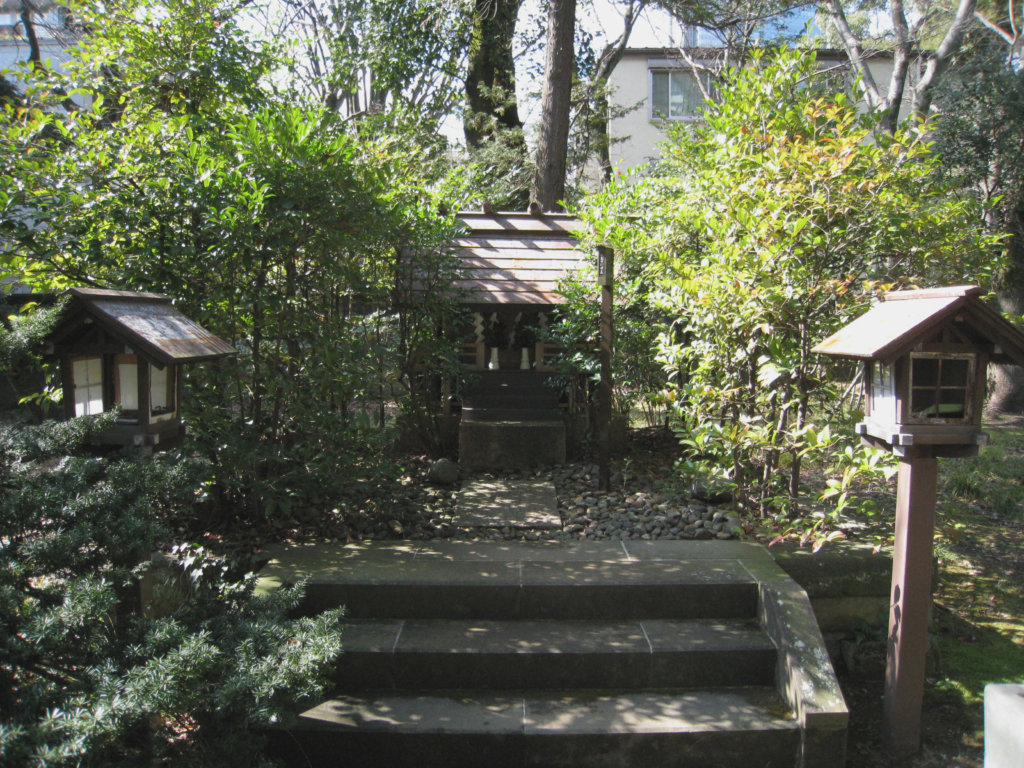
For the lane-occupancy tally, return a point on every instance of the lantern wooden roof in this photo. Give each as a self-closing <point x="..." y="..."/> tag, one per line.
<point x="147" y="322"/>
<point x="905" y="319"/>
<point x="517" y="258"/>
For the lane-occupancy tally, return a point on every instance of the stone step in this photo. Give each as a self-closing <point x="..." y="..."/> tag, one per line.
<point x="511" y="444"/>
<point x="512" y="379"/>
<point x="467" y="653"/>
<point x="659" y="653"/>
<point x="746" y="727"/>
<point x="541" y="400"/>
<point x="510" y="413"/>
<point x="436" y="587"/>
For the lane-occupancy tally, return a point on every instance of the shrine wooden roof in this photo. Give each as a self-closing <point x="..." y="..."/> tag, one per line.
<point x="904" y="319"/>
<point x="147" y="322"/>
<point x="516" y="258"/>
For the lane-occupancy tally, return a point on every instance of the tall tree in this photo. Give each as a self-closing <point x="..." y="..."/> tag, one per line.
<point x="906" y="45"/>
<point x="610" y="57"/>
<point x="981" y="137"/>
<point x="371" y="56"/>
<point x="491" y="122"/>
<point x="757" y="235"/>
<point x="548" y="187"/>
<point x="491" y="72"/>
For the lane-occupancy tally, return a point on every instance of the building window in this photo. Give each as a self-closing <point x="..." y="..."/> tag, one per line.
<point x="161" y="390"/>
<point x="939" y="387"/>
<point x="126" y="384"/>
<point x="675" y="95"/>
<point x="87" y="373"/>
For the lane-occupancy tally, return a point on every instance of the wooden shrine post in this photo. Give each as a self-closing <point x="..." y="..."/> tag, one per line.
<point x="605" y="278"/>
<point x="910" y="600"/>
<point x="925" y="354"/>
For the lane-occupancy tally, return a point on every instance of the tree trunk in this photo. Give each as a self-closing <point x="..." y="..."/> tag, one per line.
<point x="34" y="53"/>
<point x="906" y="41"/>
<point x="492" y="114"/>
<point x="491" y="76"/>
<point x="553" y="140"/>
<point x="1008" y="380"/>
<point x="610" y="58"/>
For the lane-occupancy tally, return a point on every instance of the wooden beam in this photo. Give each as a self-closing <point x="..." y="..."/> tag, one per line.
<point x="606" y="272"/>
<point x="910" y="603"/>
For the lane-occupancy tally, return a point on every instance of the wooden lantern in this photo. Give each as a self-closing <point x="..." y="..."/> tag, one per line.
<point x="124" y="350"/>
<point x="925" y="356"/>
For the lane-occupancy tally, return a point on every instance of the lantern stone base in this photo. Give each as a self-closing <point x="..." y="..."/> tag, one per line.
<point x="1004" y="713"/>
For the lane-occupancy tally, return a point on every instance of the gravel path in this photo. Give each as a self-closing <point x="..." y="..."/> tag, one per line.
<point x="646" y="501"/>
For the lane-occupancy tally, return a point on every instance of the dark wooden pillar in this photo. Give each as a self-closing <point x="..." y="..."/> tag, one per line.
<point x="67" y="380"/>
<point x="910" y="603"/>
<point x="145" y="400"/>
<point x="605" y="275"/>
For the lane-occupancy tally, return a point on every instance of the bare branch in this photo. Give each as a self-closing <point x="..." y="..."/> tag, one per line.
<point x="697" y="67"/>
<point x="1013" y="38"/>
<point x="940" y="60"/>
<point x="29" y="28"/>
<point x="855" y="54"/>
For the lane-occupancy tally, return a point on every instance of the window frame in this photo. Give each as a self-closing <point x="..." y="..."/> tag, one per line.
<point x="652" y="112"/>
<point x="89" y="387"/>
<point x="129" y="415"/>
<point x="169" y="374"/>
<point x="939" y="387"/>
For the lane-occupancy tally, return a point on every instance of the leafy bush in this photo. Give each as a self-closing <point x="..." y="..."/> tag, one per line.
<point x="766" y="227"/>
<point x="89" y="674"/>
<point x="303" y="239"/>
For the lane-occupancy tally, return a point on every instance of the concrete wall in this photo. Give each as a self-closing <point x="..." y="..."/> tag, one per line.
<point x="640" y="133"/>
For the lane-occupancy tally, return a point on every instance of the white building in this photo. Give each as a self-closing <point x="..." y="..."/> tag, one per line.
<point x="651" y="88"/>
<point x="51" y="26"/>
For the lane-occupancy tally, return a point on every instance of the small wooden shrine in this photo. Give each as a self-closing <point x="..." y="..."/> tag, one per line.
<point x="925" y="355"/>
<point x="512" y="263"/>
<point x="120" y="349"/>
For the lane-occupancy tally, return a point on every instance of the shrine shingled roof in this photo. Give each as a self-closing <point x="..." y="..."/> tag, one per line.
<point x="517" y="258"/>
<point x="147" y="322"/>
<point x="904" y="319"/>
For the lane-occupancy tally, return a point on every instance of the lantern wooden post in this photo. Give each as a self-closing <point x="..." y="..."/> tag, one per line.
<point x="910" y="598"/>
<point x="925" y="355"/>
<point x="605" y="274"/>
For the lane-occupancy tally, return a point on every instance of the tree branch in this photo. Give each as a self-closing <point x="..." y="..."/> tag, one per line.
<point x="940" y="60"/>
<point x="1012" y="38"/>
<point x="900" y="66"/>
<point x="855" y="53"/>
<point x="34" y="54"/>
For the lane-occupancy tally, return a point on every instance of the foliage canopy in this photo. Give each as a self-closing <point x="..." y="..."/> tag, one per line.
<point x="764" y="227"/>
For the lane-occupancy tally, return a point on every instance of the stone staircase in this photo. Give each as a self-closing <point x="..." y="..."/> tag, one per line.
<point x="511" y="419"/>
<point x="596" y="654"/>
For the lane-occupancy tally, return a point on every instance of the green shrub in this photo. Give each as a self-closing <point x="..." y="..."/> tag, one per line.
<point x="87" y="676"/>
<point x="766" y="227"/>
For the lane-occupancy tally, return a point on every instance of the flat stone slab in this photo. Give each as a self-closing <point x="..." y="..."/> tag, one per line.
<point x="418" y="714"/>
<point x="521" y="504"/>
<point x="584" y="713"/>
